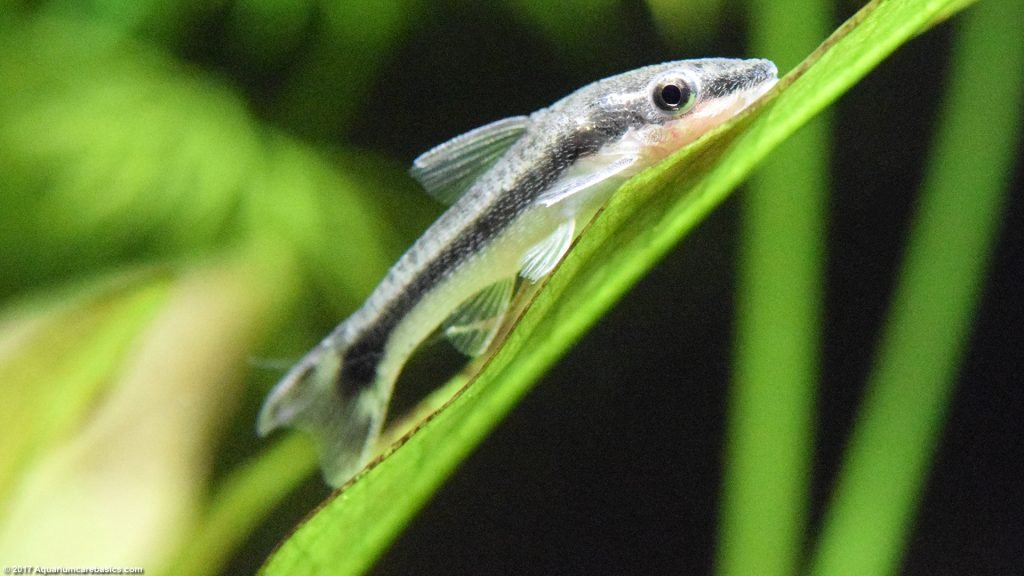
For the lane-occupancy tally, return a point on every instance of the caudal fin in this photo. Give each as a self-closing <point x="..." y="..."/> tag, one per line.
<point x="343" y="429"/>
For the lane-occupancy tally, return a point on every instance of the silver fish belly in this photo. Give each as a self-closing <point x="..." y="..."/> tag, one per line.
<point x="520" y="191"/>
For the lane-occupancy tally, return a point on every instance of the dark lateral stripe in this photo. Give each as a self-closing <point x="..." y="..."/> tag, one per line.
<point x="363" y="355"/>
<point x="359" y="364"/>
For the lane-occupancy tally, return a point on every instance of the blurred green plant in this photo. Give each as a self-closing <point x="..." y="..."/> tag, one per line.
<point x="780" y="302"/>
<point x="868" y="523"/>
<point x="929" y="323"/>
<point x="160" y="224"/>
<point x="191" y="227"/>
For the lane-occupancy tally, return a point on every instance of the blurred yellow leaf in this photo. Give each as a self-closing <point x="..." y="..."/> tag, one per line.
<point x="126" y="488"/>
<point x="57" y="355"/>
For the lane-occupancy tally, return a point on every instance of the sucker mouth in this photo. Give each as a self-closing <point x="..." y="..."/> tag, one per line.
<point x="760" y="90"/>
<point x="722" y="80"/>
<point x="768" y="71"/>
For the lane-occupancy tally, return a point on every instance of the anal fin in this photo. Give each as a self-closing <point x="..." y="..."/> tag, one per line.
<point x="542" y="257"/>
<point x="472" y="326"/>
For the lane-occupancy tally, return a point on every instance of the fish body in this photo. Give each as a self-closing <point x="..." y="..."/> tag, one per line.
<point x="520" y="191"/>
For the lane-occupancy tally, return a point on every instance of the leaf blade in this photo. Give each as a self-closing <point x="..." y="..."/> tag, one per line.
<point x="777" y="342"/>
<point x="925" y="336"/>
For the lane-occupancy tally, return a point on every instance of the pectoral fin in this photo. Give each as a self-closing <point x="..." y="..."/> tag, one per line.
<point x="572" y="186"/>
<point x="447" y="170"/>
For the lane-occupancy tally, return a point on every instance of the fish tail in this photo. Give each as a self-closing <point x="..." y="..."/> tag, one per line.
<point x="344" y="427"/>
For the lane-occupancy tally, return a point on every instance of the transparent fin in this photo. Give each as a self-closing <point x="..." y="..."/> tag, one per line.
<point x="572" y="186"/>
<point x="475" y="322"/>
<point x="344" y="430"/>
<point x="447" y="170"/>
<point x="542" y="258"/>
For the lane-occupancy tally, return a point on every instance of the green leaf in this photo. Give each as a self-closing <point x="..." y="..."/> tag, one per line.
<point x="186" y="171"/>
<point x="692" y="23"/>
<point x="779" y="306"/>
<point x="926" y="334"/>
<point x="644" y="220"/>
<point x="349" y="46"/>
<point x="574" y="27"/>
<point x="243" y="500"/>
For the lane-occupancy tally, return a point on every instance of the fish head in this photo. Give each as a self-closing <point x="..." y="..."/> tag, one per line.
<point x="652" y="111"/>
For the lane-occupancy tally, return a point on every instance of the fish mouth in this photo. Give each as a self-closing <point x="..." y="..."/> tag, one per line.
<point x="763" y="72"/>
<point x="764" y="76"/>
<point x="733" y="88"/>
<point x="751" y="95"/>
<point x="724" y="78"/>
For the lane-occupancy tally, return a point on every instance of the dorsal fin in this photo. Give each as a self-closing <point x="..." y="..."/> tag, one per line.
<point x="472" y="325"/>
<point x="448" y="169"/>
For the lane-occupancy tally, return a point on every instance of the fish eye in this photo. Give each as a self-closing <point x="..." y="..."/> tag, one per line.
<point x="674" y="95"/>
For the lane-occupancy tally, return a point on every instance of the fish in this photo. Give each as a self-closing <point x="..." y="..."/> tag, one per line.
<point x="519" y="191"/>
